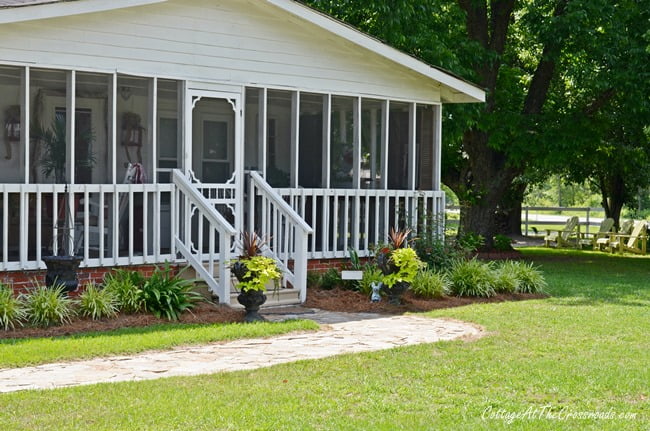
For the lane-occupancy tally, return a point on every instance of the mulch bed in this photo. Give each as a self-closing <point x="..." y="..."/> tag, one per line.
<point x="203" y="313"/>
<point x="354" y="302"/>
<point x="334" y="300"/>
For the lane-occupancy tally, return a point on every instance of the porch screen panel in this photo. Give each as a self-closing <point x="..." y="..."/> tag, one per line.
<point x="371" y="151"/>
<point x="251" y="130"/>
<point x="133" y="112"/>
<point x="311" y="141"/>
<point x="342" y="142"/>
<point x="48" y="146"/>
<point x="398" y="146"/>
<point x="169" y="131"/>
<point x="278" y="138"/>
<point x="92" y="149"/>
<point x="12" y="155"/>
<point x="424" y="145"/>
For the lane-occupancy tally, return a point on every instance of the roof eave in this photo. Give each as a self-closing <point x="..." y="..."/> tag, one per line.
<point x="77" y="7"/>
<point x="460" y="91"/>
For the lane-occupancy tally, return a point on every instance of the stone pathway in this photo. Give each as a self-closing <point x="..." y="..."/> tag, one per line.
<point x="342" y="333"/>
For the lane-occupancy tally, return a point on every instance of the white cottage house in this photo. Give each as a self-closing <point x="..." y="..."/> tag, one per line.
<point x="156" y="130"/>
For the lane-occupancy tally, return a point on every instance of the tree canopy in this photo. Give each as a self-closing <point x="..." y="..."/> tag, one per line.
<point x="567" y="92"/>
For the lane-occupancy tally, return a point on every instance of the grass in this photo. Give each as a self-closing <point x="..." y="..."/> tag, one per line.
<point x="584" y="350"/>
<point x="33" y="351"/>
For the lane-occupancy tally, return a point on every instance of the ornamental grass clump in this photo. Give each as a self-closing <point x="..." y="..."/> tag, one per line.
<point x="126" y="286"/>
<point x="472" y="278"/>
<point x="12" y="310"/>
<point x="430" y="284"/>
<point x="97" y="303"/>
<point x="531" y="279"/>
<point x="506" y="278"/>
<point x="47" y="306"/>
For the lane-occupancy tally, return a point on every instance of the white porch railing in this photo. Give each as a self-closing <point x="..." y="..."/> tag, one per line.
<point x="350" y="219"/>
<point x="271" y="216"/>
<point x="202" y="235"/>
<point x="107" y="224"/>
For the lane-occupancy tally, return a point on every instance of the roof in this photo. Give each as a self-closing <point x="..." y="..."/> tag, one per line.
<point x="453" y="89"/>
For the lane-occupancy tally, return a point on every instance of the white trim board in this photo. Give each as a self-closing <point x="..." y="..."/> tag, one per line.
<point x="56" y="9"/>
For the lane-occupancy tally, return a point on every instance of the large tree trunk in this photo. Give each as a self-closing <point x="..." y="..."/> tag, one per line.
<point x="509" y="214"/>
<point x="613" y="193"/>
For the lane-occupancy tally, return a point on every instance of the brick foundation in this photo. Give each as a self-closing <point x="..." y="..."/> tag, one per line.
<point x="21" y="281"/>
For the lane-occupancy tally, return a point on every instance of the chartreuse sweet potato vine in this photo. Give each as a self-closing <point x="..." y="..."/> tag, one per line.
<point x="259" y="271"/>
<point x="408" y="264"/>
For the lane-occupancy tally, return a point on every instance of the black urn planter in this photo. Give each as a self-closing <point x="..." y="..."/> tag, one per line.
<point x="62" y="270"/>
<point x="395" y="293"/>
<point x="252" y="300"/>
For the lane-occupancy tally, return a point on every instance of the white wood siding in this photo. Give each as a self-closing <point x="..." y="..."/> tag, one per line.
<point x="230" y="41"/>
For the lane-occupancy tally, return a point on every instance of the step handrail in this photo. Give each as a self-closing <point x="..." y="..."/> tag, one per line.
<point x="184" y="244"/>
<point x="272" y="195"/>
<point x="288" y="232"/>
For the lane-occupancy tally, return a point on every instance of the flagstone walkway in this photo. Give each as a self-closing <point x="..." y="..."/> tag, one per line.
<point x="341" y="333"/>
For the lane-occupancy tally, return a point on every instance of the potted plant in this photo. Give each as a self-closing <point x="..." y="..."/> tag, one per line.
<point x="399" y="265"/>
<point x="62" y="265"/>
<point x="253" y="272"/>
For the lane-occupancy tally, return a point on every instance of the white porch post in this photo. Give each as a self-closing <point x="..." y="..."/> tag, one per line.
<point x="437" y="145"/>
<point x="24" y="119"/>
<point x="70" y="125"/>
<point x="295" y="137"/>
<point x="152" y="122"/>
<point x="356" y="115"/>
<point x="187" y="129"/>
<point x="262" y="126"/>
<point x="327" y="139"/>
<point x="112" y="121"/>
<point x="384" y="143"/>
<point x="412" y="145"/>
<point x="239" y="161"/>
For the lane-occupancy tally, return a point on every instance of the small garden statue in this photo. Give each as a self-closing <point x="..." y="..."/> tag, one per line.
<point x="376" y="287"/>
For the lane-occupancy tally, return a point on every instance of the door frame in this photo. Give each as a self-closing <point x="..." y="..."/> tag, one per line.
<point x="192" y="96"/>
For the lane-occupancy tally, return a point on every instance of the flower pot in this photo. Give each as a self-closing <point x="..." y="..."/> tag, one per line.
<point x="395" y="293"/>
<point x="252" y="300"/>
<point x="62" y="270"/>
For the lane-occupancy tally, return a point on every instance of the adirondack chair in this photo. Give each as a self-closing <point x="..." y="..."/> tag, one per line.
<point x="636" y="242"/>
<point x="602" y="242"/>
<point x="568" y="236"/>
<point x="603" y="232"/>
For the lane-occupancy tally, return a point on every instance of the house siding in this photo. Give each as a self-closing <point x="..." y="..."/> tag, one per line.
<point x="230" y="41"/>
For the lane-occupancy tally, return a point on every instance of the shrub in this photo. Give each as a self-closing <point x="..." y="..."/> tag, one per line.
<point x="168" y="295"/>
<point x="531" y="280"/>
<point x="48" y="306"/>
<point x="97" y="303"/>
<point x="472" y="278"/>
<point x="371" y="274"/>
<point x="313" y="279"/>
<point x="12" y="311"/>
<point x="430" y="284"/>
<point x="330" y="279"/>
<point x="502" y="243"/>
<point x="506" y="279"/>
<point x="126" y="286"/>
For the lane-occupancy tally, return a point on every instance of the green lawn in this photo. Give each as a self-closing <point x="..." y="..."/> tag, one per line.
<point x="584" y="351"/>
<point x="24" y="352"/>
